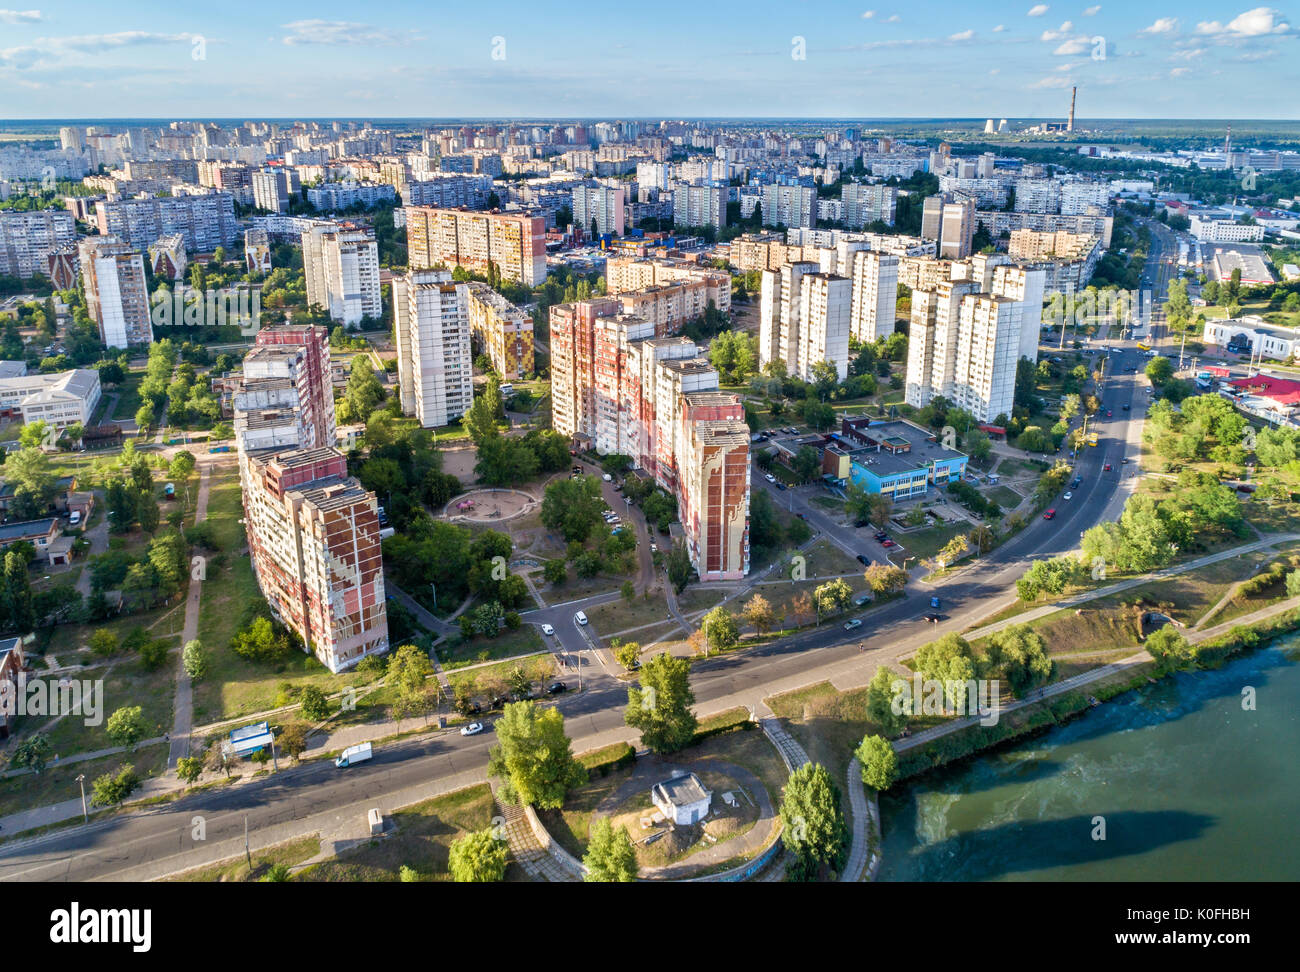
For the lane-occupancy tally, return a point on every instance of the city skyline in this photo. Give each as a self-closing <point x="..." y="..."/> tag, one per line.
<point x="841" y="61"/>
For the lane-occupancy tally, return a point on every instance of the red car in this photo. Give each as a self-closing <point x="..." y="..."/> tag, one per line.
<point x="888" y="543"/>
<point x="1107" y="413"/>
<point x="1106" y="468"/>
<point x="1049" y="514"/>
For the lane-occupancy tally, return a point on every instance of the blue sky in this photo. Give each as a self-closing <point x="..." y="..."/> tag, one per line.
<point x="1169" y="59"/>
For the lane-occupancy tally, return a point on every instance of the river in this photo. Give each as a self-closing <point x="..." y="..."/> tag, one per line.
<point x="1191" y="787"/>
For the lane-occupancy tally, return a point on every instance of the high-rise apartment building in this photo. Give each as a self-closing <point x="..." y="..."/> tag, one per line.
<point x="434" y="367"/>
<point x="865" y="204"/>
<point x="28" y="239"/>
<point x="988" y="344"/>
<point x="341" y="264"/>
<point x="789" y="206"/>
<point x="932" y="341"/>
<point x="875" y="295"/>
<point x="949" y="218"/>
<point x="206" y="221"/>
<point x="506" y="332"/>
<point x="625" y="275"/>
<point x="273" y="187"/>
<point x="601" y="205"/>
<point x="515" y="243"/>
<point x="116" y="299"/>
<point x="804" y="319"/>
<point x="714" y="484"/>
<point x="313" y="532"/>
<point x="700" y="206"/>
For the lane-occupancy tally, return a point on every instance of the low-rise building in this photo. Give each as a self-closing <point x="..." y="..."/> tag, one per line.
<point x="896" y="458"/>
<point x="62" y="399"/>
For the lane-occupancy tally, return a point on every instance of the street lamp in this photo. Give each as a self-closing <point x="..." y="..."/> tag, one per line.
<point x="85" y="816"/>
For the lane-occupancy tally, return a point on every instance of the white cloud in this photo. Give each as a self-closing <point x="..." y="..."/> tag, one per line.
<point x="962" y="35"/>
<point x="995" y="70"/>
<point x="1165" y="25"/>
<point x="337" y="32"/>
<point x="868" y="14"/>
<point x="999" y="28"/>
<point x="1179" y="72"/>
<point x="20" y="16"/>
<point x="1253" y="23"/>
<point x="892" y="19"/>
<point x="1073" y="47"/>
<point x="1191" y="54"/>
<point x="1060" y="32"/>
<point x="1052" y="83"/>
<point x="1037" y="10"/>
<point x="1092" y="11"/>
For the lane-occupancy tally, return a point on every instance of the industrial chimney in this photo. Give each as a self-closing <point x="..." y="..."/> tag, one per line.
<point x="1069" y="125"/>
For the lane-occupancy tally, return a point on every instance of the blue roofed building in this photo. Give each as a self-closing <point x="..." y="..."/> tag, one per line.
<point x="896" y="458"/>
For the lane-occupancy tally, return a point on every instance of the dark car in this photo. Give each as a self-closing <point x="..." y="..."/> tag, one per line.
<point x="933" y="618"/>
<point x="1125" y="407"/>
<point x="1076" y="482"/>
<point x="498" y="701"/>
<point x="555" y="688"/>
<point x="881" y="535"/>
<point x="802" y="516"/>
<point x="781" y="485"/>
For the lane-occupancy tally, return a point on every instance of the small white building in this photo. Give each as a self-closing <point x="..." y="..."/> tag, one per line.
<point x="1252" y="334"/>
<point x="62" y="399"/>
<point x="682" y="799"/>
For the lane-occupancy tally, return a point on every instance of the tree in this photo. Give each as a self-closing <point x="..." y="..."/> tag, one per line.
<point x="32" y="753"/>
<point x="408" y="672"/>
<point x="833" y="596"/>
<point x="481" y="419"/>
<point x="721" y="633"/>
<point x="760" y="614"/>
<point x="189" y="769"/>
<point x="182" y="465"/>
<point x="814" y="830"/>
<point x="109" y="790"/>
<point x="880" y="702"/>
<point x="314" y="704"/>
<point x="947" y="660"/>
<point x="879" y="762"/>
<point x="480" y="856"/>
<point x="1022" y="655"/>
<point x="661" y="705"/>
<point x="573" y="506"/>
<point x="1159" y="370"/>
<point x="610" y="855"/>
<point x="293" y="740"/>
<point x="103" y="642"/>
<point x="126" y="726"/>
<point x="1170" y="650"/>
<point x="885" y="578"/>
<point x="29" y="472"/>
<point x="679" y="566"/>
<point x="194" y="657"/>
<point x="533" y="759"/>
<point x="627" y="654"/>
<point x="805" y="463"/>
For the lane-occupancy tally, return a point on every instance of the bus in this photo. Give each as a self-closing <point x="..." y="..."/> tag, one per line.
<point x="1092" y="438"/>
<point x="1143" y="347"/>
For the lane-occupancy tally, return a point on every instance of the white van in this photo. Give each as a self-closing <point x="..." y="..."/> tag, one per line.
<point x="74" y="518"/>
<point x="580" y="617"/>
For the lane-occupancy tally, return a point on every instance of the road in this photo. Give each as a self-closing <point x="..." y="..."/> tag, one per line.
<point x="144" y="844"/>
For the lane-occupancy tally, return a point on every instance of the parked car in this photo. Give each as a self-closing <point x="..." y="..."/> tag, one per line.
<point x="888" y="543"/>
<point x="1049" y="514"/>
<point x="770" y="478"/>
<point x="932" y="618"/>
<point x="1125" y="407"/>
<point x="473" y="729"/>
<point x="555" y="688"/>
<point x="547" y="629"/>
<point x="864" y="560"/>
<point x="580" y="617"/>
<point x="881" y="535"/>
<point x="1068" y="495"/>
<point x="852" y="623"/>
<point x="608" y="478"/>
<point x="780" y="485"/>
<point x="74" y="517"/>
<point x="498" y="701"/>
<point x="862" y="600"/>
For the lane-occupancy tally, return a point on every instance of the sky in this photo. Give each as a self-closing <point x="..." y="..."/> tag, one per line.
<point x="669" y="59"/>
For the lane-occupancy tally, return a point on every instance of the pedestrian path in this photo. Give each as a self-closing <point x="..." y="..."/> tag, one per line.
<point x="183" y="699"/>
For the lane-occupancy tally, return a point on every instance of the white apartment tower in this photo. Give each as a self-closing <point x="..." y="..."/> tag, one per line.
<point x="988" y="342"/>
<point x="342" y="269"/>
<point x="700" y="206"/>
<point x="113" y="277"/>
<point x="875" y="295"/>
<point x="825" y="300"/>
<point x="434" y="371"/>
<point x="602" y="204"/>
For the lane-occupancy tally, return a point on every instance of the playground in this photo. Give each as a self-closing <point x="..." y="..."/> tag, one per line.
<point x="489" y="505"/>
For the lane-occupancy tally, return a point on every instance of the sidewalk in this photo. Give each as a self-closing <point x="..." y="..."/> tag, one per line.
<point x="183" y="702"/>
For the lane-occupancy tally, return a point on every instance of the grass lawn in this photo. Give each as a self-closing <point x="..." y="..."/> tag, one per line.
<point x="66" y="641"/>
<point x="128" y="392"/>
<point x="609" y="619"/>
<point x="289" y="853"/>
<point x="929" y="541"/>
<point x="829" y="724"/>
<point x="1004" y="496"/>
<point x="422" y="841"/>
<point x="827" y="560"/>
<point x="125" y="683"/>
<point x="576" y="588"/>
<point x="483" y="683"/>
<point x="57" y="783"/>
<point x="456" y="652"/>
<point x="699" y="599"/>
<point x="1272" y="517"/>
<point x="1018" y="467"/>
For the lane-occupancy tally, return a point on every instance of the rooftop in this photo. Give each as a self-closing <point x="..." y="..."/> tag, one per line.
<point x="683" y="790"/>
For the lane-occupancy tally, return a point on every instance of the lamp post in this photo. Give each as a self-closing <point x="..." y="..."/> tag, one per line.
<point x="81" y="779"/>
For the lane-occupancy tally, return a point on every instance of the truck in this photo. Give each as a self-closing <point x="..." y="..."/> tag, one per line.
<point x="353" y="755"/>
<point x="224" y="448"/>
<point x="169" y="491"/>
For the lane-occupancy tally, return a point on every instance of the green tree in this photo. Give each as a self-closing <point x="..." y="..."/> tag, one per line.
<point x="1170" y="649"/>
<point x="533" y="759"/>
<point x="32" y="753"/>
<point x="721" y="633"/>
<point x="103" y="642"/>
<point x="832" y="597"/>
<point x="1022" y="655"/>
<point x="189" y="769"/>
<point x="610" y="855"/>
<point x="660" y="706"/>
<point x="880" y="702"/>
<point x="627" y="654"/>
<point x="879" y="762"/>
<point x="315" y="706"/>
<point x="479" y="857"/>
<point x="109" y="790"/>
<point x="194" y="657"/>
<point x="814" y="830"/>
<point x="126" y="726"/>
<point x="573" y="506"/>
<point x="679" y="566"/>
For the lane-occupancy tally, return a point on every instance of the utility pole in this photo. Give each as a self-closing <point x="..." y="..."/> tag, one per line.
<point x="85" y="816"/>
<point x="248" y="854"/>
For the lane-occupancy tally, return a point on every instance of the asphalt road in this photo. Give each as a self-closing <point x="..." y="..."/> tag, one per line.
<point x="144" y="844"/>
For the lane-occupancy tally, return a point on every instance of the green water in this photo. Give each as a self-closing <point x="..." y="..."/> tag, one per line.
<point x="1190" y="785"/>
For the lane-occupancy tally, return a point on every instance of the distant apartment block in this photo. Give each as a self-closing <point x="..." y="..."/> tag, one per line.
<point x="273" y="188"/>
<point x="515" y="243"/>
<point x="329" y="196"/>
<point x="341" y="264"/>
<point x="284" y="399"/>
<point x="865" y="204"/>
<point x="700" y="206"/>
<point x="626" y="275"/>
<point x="506" y="332"/>
<point x="789" y="206"/>
<point x="602" y="205"/>
<point x="434" y="367"/>
<point x="447" y="191"/>
<point x="112" y="275"/>
<point x="804" y="319"/>
<point x="167" y="257"/>
<point x="257" y="251"/>
<point x="27" y="240"/>
<point x="205" y="221"/>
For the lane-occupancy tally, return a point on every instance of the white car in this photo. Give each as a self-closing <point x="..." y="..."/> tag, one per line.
<point x="547" y="629"/>
<point x="74" y="517"/>
<point x="1068" y="495"/>
<point x="473" y="729"/>
<point x="854" y="623"/>
<point x="580" y="617"/>
<point x="770" y="478"/>
<point x="608" y="478"/>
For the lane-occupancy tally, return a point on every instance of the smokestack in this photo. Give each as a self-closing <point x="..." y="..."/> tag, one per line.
<point x="1069" y="125"/>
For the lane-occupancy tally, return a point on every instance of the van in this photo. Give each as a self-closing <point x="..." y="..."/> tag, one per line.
<point x="74" y="517"/>
<point x="580" y="617"/>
